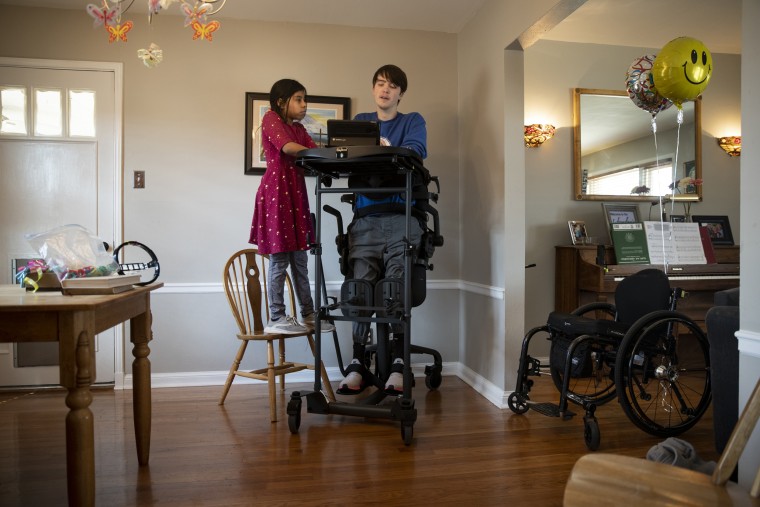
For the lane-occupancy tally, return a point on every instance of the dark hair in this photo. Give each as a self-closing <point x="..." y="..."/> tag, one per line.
<point x="393" y="74"/>
<point x="283" y="90"/>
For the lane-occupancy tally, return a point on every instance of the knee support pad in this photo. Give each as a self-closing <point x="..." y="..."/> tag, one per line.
<point x="356" y="293"/>
<point x="389" y="292"/>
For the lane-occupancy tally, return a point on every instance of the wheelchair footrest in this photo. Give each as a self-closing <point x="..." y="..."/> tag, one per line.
<point x="548" y="409"/>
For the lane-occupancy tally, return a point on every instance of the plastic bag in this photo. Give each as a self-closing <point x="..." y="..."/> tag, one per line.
<point x="71" y="251"/>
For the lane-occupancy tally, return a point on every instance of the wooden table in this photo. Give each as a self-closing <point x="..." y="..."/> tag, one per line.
<point x="73" y="321"/>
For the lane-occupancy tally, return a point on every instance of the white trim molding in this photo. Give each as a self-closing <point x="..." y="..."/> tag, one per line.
<point x="218" y="378"/>
<point x="749" y="342"/>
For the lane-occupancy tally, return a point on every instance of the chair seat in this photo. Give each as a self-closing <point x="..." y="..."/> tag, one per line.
<point x="575" y="325"/>
<point x="608" y="479"/>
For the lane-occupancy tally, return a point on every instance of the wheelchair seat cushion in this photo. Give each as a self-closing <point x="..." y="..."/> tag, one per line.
<point x="575" y="325"/>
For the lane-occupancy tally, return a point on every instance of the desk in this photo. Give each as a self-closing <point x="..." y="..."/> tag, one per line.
<point x="73" y="321"/>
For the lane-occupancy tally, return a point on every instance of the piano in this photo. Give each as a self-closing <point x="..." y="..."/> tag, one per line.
<point x="580" y="280"/>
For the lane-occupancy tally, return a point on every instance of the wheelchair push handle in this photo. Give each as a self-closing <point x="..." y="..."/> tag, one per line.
<point x="334" y="212"/>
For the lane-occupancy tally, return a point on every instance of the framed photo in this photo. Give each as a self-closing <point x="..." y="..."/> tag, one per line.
<point x="717" y="227"/>
<point x="619" y="214"/>
<point x="320" y="110"/>
<point x="678" y="218"/>
<point x="689" y="169"/>
<point x="578" y="232"/>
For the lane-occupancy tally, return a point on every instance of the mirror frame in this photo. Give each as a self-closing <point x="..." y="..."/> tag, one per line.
<point x="577" y="93"/>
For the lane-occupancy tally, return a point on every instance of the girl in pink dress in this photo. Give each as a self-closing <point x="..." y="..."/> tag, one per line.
<point x="281" y="224"/>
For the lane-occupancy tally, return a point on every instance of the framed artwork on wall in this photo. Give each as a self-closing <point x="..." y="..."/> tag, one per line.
<point x="718" y="228"/>
<point x="320" y="109"/>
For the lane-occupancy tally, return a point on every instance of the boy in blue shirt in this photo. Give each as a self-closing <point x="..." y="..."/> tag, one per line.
<point x="376" y="237"/>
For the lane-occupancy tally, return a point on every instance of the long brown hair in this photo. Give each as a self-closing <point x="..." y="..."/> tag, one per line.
<point x="283" y="90"/>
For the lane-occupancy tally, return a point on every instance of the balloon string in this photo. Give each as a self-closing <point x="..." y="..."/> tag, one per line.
<point x="659" y="197"/>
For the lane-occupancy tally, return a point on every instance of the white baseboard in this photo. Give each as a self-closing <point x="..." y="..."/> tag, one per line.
<point x="218" y="378"/>
<point x="481" y="385"/>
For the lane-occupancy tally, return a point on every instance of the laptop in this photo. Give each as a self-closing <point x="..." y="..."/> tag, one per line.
<point x="352" y="133"/>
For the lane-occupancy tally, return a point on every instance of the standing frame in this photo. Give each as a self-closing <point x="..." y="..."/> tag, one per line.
<point x="320" y="109"/>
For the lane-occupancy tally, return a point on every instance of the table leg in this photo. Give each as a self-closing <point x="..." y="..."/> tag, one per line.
<point x="141" y="397"/>
<point x="80" y="446"/>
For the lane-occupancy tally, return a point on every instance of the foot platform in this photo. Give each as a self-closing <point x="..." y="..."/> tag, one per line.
<point x="549" y="410"/>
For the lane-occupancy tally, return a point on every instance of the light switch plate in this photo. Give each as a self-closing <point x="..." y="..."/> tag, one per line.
<point x="139" y="179"/>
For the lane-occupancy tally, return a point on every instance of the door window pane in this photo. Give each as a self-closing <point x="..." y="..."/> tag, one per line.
<point x="81" y="113"/>
<point x="13" y="110"/>
<point x="48" y="114"/>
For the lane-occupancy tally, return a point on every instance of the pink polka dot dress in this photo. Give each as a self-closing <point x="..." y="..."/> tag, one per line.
<point x="281" y="216"/>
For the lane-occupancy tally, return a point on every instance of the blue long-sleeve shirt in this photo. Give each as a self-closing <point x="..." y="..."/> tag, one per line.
<point x="405" y="131"/>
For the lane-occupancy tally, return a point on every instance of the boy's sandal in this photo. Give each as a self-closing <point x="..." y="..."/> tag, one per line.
<point x="395" y="383"/>
<point x="351" y="384"/>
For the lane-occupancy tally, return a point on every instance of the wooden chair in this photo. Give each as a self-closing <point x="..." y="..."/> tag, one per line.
<point x="607" y="479"/>
<point x="245" y="281"/>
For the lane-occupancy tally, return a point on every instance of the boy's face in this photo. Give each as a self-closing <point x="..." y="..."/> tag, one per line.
<point x="387" y="95"/>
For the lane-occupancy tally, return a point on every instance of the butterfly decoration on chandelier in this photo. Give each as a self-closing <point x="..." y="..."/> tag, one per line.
<point x="152" y="56"/>
<point x="119" y="32"/>
<point x="108" y="14"/>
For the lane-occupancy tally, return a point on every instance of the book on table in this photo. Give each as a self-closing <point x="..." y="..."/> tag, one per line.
<point x="110" y="284"/>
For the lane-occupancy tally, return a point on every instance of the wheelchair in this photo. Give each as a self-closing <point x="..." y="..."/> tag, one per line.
<point x="641" y="351"/>
<point x="387" y="304"/>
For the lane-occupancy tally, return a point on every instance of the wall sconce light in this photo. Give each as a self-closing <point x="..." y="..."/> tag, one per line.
<point x="731" y="145"/>
<point x="536" y="134"/>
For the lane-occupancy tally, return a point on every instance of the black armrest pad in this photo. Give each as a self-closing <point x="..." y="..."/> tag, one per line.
<point x="728" y="297"/>
<point x="722" y="323"/>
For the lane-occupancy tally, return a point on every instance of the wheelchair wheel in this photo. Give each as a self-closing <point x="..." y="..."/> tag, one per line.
<point x="518" y="402"/>
<point x="598" y="385"/>
<point x="294" y="413"/>
<point x="662" y="373"/>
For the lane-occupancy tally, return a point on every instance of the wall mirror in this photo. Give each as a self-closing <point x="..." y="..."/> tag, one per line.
<point x="617" y="157"/>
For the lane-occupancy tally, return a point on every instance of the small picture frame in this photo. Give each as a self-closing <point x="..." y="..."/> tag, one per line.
<point x="615" y="213"/>
<point x="578" y="232"/>
<point x="718" y="228"/>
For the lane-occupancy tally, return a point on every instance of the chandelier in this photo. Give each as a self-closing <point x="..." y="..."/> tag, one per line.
<point x="109" y="13"/>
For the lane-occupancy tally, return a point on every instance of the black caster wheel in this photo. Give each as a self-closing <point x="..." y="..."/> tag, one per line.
<point x="407" y="432"/>
<point x="433" y="379"/>
<point x="294" y="415"/>
<point x="591" y="433"/>
<point x="518" y="403"/>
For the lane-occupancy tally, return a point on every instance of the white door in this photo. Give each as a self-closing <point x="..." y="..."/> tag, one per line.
<point x="53" y="178"/>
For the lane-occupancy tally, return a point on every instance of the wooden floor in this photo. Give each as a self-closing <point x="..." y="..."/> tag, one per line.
<point x="465" y="451"/>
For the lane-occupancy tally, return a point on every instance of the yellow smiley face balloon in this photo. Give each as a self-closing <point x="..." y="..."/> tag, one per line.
<point x="682" y="70"/>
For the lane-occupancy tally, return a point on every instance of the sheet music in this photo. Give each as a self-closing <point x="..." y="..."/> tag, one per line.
<point x="674" y="243"/>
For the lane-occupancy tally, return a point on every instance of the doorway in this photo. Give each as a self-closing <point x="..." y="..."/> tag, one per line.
<point x="55" y="176"/>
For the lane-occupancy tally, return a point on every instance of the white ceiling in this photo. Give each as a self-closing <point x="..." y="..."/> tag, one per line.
<point x="643" y="23"/>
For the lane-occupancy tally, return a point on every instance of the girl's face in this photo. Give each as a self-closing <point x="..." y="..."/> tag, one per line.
<point x="296" y="107"/>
